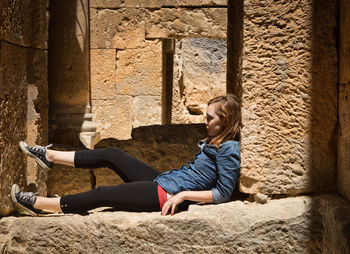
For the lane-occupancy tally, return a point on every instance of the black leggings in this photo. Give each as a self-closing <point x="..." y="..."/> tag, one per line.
<point x="139" y="193"/>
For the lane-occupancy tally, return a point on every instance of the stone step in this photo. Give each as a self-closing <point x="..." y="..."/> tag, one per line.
<point x="305" y="224"/>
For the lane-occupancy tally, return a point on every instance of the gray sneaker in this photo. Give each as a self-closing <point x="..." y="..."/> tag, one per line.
<point x="24" y="200"/>
<point x="38" y="153"/>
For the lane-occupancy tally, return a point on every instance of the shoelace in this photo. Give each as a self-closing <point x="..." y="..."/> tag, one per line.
<point x="27" y="196"/>
<point x="40" y="149"/>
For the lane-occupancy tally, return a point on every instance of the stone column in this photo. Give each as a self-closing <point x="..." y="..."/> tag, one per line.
<point x="344" y="102"/>
<point x="289" y="77"/>
<point x="70" y="114"/>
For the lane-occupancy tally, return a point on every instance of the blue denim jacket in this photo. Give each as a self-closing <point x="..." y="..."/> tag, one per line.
<point x="212" y="168"/>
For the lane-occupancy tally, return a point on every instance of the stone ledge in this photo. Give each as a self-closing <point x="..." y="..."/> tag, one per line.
<point x="290" y="225"/>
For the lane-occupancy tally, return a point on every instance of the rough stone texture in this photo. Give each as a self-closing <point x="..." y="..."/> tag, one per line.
<point x="121" y="28"/>
<point x="139" y="71"/>
<point x="291" y="225"/>
<point x="162" y="147"/>
<point x="23" y="94"/>
<point x="37" y="115"/>
<point x="13" y="111"/>
<point x="199" y="75"/>
<point x="289" y="98"/>
<point x="130" y="83"/>
<point x="113" y="117"/>
<point x="154" y="3"/>
<point x="93" y="28"/>
<point x="147" y="111"/>
<point x="127" y="27"/>
<point x="23" y="22"/>
<point x="16" y="22"/>
<point x="175" y="23"/>
<point x="103" y="74"/>
<point x="344" y="102"/>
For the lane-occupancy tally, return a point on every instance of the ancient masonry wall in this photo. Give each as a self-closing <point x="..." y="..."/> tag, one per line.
<point x="289" y="83"/>
<point x="23" y="93"/>
<point x="131" y="44"/>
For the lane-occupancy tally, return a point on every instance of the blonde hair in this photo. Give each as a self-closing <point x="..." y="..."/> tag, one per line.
<point x="228" y="109"/>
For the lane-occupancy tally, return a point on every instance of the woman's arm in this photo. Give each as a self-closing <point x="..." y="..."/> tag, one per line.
<point x="197" y="196"/>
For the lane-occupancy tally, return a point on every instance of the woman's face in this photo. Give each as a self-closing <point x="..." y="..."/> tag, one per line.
<point x="215" y="125"/>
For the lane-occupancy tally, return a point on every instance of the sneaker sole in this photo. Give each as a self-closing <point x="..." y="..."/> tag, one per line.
<point x="23" y="145"/>
<point x="18" y="205"/>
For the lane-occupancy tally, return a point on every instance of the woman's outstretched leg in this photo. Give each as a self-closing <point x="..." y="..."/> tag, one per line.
<point x="52" y="204"/>
<point x="61" y="157"/>
<point x="136" y="196"/>
<point x="125" y="165"/>
<point x="46" y="158"/>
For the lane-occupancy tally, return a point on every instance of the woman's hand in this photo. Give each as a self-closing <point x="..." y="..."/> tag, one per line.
<point x="172" y="203"/>
<point x="205" y="196"/>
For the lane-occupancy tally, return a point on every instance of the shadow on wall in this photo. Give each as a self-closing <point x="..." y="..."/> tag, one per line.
<point x="323" y="126"/>
<point x="68" y="74"/>
<point x="163" y="147"/>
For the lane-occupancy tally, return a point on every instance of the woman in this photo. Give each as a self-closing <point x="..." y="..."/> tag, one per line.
<point x="210" y="178"/>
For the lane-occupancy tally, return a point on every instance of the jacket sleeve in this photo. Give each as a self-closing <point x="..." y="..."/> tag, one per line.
<point x="228" y="170"/>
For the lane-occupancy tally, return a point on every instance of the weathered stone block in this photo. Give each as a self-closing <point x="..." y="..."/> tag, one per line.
<point x="139" y="71"/>
<point x="103" y="73"/>
<point x="24" y="22"/>
<point x="147" y="110"/>
<point x="174" y="23"/>
<point x="289" y="99"/>
<point x="37" y="114"/>
<point x="121" y="29"/>
<point x="16" y="22"/>
<point x="199" y="75"/>
<point x="113" y="117"/>
<point x="291" y="225"/>
<point x="127" y="28"/>
<point x="93" y="28"/>
<point x="39" y="33"/>
<point x="13" y="113"/>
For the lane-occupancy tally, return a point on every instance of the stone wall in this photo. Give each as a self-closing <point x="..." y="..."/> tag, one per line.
<point x="23" y="93"/>
<point x="289" y="82"/>
<point x="128" y="87"/>
<point x="344" y="102"/>
<point x="199" y="74"/>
